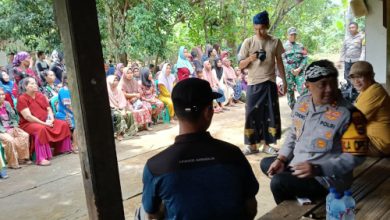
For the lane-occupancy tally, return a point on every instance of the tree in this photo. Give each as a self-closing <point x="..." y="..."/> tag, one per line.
<point x="31" y="22"/>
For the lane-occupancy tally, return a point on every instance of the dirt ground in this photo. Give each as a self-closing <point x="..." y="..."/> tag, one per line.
<point x="56" y="192"/>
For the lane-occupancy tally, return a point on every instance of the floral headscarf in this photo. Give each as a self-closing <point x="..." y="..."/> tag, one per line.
<point x="19" y="57"/>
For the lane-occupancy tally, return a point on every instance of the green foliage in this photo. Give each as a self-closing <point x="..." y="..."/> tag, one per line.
<point x="151" y="26"/>
<point x="153" y="30"/>
<point x="31" y="22"/>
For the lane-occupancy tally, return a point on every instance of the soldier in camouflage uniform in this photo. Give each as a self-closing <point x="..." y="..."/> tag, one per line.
<point x="295" y="60"/>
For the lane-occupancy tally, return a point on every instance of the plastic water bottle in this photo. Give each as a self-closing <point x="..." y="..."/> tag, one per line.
<point x="350" y="204"/>
<point x="337" y="208"/>
<point x="329" y="198"/>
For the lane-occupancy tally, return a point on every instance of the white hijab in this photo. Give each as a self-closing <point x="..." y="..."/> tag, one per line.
<point x="165" y="80"/>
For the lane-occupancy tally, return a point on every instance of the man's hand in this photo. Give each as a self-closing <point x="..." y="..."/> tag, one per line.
<point x="276" y="167"/>
<point x="303" y="170"/>
<point x="252" y="57"/>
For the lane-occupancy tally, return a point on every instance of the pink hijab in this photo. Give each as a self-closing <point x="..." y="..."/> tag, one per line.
<point x="209" y="76"/>
<point x="115" y="95"/>
<point x="228" y="70"/>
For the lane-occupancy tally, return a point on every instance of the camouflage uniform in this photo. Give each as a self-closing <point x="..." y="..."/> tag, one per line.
<point x="295" y="56"/>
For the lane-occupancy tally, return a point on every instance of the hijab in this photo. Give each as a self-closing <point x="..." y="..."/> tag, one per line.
<point x="19" y="57"/>
<point x="145" y="77"/>
<point x="208" y="75"/>
<point x="218" y="70"/>
<point x="165" y="80"/>
<point x="224" y="54"/>
<point x="115" y="95"/>
<point x="128" y="85"/>
<point x="57" y="56"/>
<point x="118" y="70"/>
<point x="228" y="70"/>
<point x="7" y="86"/>
<point x="182" y="61"/>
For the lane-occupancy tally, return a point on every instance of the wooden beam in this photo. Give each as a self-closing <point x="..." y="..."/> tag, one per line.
<point x="384" y="14"/>
<point x="388" y="47"/>
<point x="78" y="24"/>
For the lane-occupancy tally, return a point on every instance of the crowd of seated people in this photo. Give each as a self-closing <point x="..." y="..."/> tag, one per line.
<point x="36" y="117"/>
<point x="140" y="96"/>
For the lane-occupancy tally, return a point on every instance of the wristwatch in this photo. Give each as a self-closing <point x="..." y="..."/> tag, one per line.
<point x="281" y="160"/>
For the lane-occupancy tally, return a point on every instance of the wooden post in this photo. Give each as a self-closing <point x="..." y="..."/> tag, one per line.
<point x="387" y="14"/>
<point x="78" y="24"/>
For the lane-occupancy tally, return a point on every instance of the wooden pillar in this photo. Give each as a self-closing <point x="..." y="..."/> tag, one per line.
<point x="387" y="14"/>
<point x="78" y="24"/>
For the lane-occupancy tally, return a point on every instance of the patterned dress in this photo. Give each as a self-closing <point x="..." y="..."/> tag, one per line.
<point x="149" y="95"/>
<point x="142" y="111"/>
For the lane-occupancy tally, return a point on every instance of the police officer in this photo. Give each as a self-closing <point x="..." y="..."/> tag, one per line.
<point x="326" y="141"/>
<point x="353" y="50"/>
<point x="295" y="60"/>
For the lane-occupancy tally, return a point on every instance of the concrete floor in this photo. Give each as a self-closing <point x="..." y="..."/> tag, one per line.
<point x="56" y="192"/>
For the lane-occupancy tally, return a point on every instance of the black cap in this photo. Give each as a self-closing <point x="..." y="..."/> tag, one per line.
<point x="190" y="95"/>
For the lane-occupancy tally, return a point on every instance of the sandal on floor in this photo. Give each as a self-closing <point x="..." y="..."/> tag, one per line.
<point x="25" y="162"/>
<point x="248" y="150"/>
<point x="270" y="150"/>
<point x="15" y="167"/>
<point x="44" y="163"/>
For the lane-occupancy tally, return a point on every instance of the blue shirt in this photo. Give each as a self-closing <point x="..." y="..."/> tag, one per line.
<point x="199" y="177"/>
<point x="63" y="112"/>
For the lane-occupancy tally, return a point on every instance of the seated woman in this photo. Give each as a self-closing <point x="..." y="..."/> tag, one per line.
<point x="165" y="85"/>
<point x="50" y="89"/>
<point x="22" y="69"/>
<point x="7" y="85"/>
<point x="119" y="70"/>
<point x="184" y="67"/>
<point x="230" y="81"/>
<point x="374" y="102"/>
<point x="37" y="119"/>
<point x="142" y="111"/>
<point x="15" y="140"/>
<point x="148" y="93"/>
<point x="211" y="77"/>
<point x="123" y="118"/>
<point x="65" y="112"/>
<point x="239" y="94"/>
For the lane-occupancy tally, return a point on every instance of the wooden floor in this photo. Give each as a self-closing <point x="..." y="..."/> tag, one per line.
<point x="371" y="190"/>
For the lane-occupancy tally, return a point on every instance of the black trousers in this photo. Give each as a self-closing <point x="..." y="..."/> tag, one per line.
<point x="285" y="186"/>
<point x="347" y="69"/>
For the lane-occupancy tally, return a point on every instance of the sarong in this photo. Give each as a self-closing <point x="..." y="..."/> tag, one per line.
<point x="262" y="114"/>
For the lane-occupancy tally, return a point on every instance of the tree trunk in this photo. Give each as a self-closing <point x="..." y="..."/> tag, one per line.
<point x="205" y="29"/>
<point x="244" y="16"/>
<point x="122" y="58"/>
